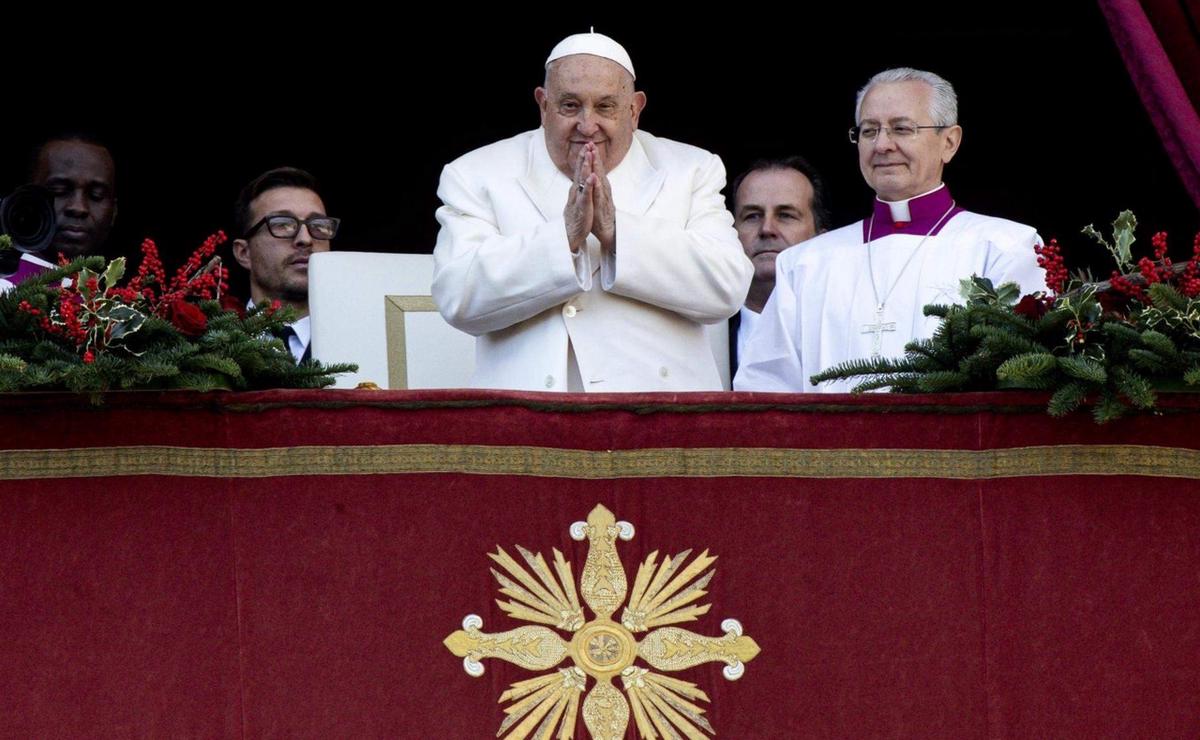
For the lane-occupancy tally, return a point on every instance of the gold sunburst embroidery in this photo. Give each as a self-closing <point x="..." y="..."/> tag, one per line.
<point x="664" y="594"/>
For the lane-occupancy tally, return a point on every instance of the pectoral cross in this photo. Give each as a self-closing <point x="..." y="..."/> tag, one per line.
<point x="878" y="328"/>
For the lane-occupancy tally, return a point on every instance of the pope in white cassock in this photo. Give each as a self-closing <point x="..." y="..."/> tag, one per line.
<point x="858" y="291"/>
<point x="587" y="255"/>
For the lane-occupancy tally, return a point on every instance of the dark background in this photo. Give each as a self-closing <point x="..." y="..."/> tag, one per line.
<point x="1054" y="133"/>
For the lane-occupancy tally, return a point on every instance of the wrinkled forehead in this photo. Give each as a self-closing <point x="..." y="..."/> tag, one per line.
<point x="586" y="71"/>
<point x="77" y="161"/>
<point x="776" y="187"/>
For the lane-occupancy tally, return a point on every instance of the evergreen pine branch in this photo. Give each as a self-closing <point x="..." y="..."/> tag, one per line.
<point x="1083" y="368"/>
<point x="1004" y="342"/>
<point x="958" y="333"/>
<point x="215" y="363"/>
<point x="1160" y="344"/>
<point x="1165" y="297"/>
<point x="11" y="364"/>
<point x="1121" y="335"/>
<point x="920" y="350"/>
<point x="1134" y="386"/>
<point x="1150" y="362"/>
<point x="898" y="382"/>
<point x="942" y="381"/>
<point x="1108" y="408"/>
<point x="868" y="366"/>
<point x="1033" y="369"/>
<point x="1001" y="317"/>
<point x="200" y="381"/>
<point x="981" y="367"/>
<point x="1067" y="398"/>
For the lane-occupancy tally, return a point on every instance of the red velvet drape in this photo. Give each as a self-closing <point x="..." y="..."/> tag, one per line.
<point x="1160" y="43"/>
<point x="287" y="563"/>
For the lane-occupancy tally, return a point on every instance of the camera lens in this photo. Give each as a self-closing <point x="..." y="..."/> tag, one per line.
<point x="27" y="216"/>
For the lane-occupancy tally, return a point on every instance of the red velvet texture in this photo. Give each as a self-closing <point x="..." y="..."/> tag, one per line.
<point x="316" y="606"/>
<point x="1160" y="43"/>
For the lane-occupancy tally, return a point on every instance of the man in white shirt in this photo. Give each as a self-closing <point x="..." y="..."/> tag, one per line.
<point x="859" y="291"/>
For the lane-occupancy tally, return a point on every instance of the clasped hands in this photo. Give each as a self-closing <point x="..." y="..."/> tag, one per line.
<point x="590" y="208"/>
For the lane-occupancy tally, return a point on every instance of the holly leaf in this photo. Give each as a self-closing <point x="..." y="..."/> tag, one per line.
<point x="1008" y="294"/>
<point x="114" y="272"/>
<point x="125" y="321"/>
<point x="1123" y="237"/>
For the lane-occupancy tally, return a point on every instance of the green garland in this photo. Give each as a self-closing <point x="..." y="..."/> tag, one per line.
<point x="123" y="343"/>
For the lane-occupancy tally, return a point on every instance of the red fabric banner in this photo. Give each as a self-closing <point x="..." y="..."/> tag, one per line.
<point x="288" y="563"/>
<point x="1160" y="43"/>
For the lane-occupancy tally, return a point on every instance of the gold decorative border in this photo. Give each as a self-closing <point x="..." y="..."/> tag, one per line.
<point x="1139" y="460"/>
<point x="395" y="306"/>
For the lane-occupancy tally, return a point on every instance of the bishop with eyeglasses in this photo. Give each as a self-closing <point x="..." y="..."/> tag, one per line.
<point x="859" y="292"/>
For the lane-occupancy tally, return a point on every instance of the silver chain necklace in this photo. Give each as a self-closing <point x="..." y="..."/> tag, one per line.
<point x="880" y="326"/>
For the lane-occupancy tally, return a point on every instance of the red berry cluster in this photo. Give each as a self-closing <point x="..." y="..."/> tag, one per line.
<point x="1189" y="282"/>
<point x="70" y="326"/>
<point x="150" y="272"/>
<point x="1160" y="269"/>
<point x="1050" y="259"/>
<point x="1127" y="288"/>
<point x="191" y="280"/>
<point x="75" y="314"/>
<point x="40" y="316"/>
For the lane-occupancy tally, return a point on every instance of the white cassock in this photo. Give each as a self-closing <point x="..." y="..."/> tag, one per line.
<point x="596" y="322"/>
<point x="823" y="310"/>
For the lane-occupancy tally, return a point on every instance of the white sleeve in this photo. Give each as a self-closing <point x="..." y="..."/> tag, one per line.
<point x="699" y="271"/>
<point x="772" y="360"/>
<point x="1011" y="259"/>
<point x="485" y="281"/>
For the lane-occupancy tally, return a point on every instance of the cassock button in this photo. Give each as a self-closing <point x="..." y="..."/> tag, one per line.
<point x="570" y="311"/>
<point x="549" y="381"/>
<point x="663" y="371"/>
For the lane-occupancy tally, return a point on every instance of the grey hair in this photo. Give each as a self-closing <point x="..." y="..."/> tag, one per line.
<point x="943" y="104"/>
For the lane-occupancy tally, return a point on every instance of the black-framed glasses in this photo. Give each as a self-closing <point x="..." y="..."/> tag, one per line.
<point x="870" y="132"/>
<point x="323" y="228"/>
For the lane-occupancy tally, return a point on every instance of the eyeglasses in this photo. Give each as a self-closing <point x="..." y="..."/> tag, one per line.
<point x="899" y="131"/>
<point x="322" y="228"/>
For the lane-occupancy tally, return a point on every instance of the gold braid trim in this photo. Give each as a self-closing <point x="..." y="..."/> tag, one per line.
<point x="1140" y="460"/>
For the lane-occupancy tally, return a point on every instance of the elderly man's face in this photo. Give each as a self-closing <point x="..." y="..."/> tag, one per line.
<point x="279" y="267"/>
<point x="588" y="99"/>
<point x="773" y="212"/>
<point x="81" y="178"/>
<point x="901" y="168"/>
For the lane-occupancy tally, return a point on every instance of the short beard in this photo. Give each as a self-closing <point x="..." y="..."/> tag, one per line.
<point x="294" y="295"/>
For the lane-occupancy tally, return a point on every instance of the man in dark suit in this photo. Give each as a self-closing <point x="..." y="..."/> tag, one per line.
<point x="777" y="203"/>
